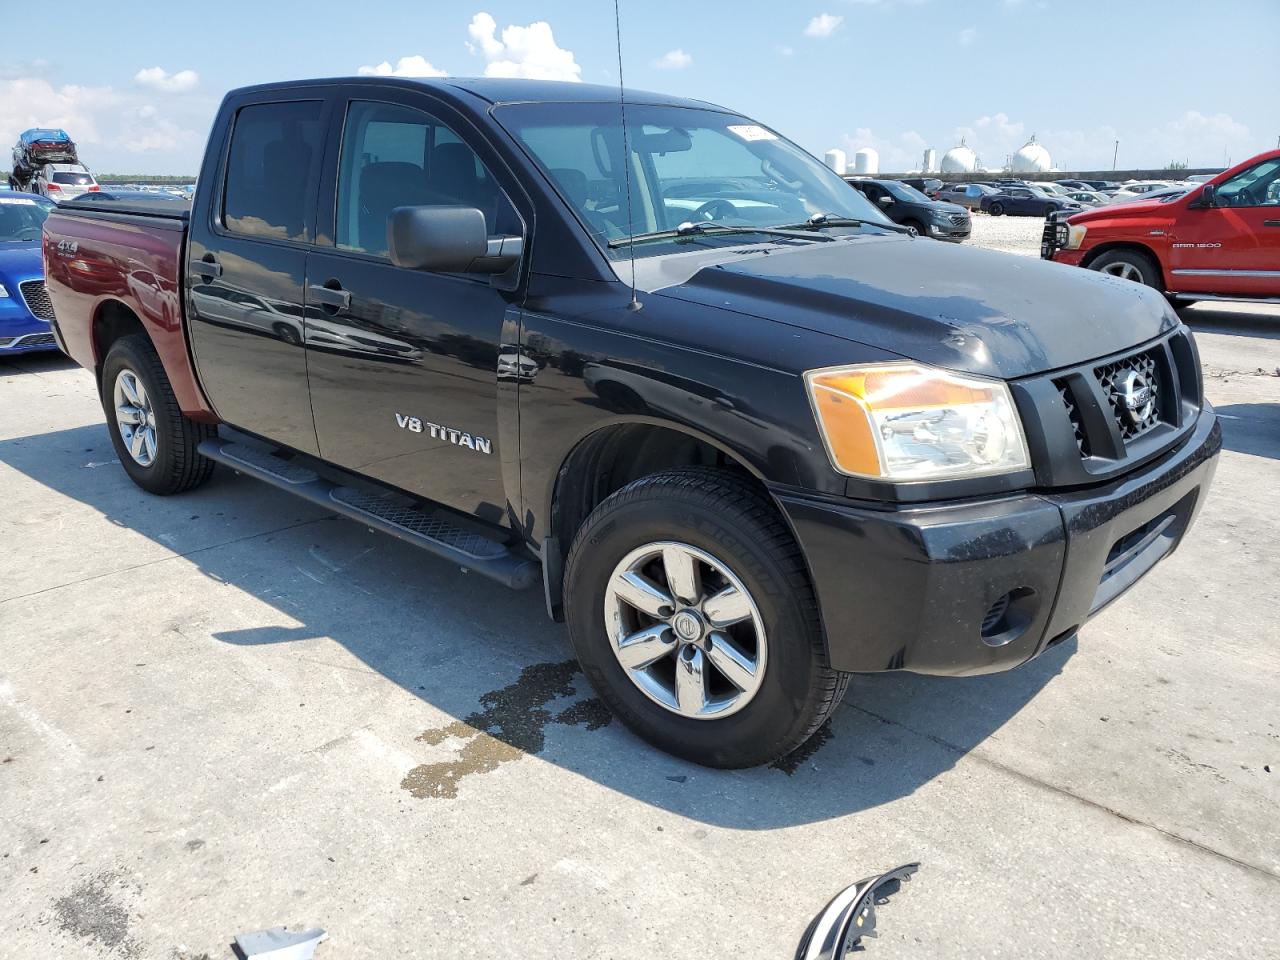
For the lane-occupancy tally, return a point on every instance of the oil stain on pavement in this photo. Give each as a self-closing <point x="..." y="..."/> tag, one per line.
<point x="512" y="723"/>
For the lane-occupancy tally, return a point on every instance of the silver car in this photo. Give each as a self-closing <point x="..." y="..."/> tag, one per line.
<point x="63" y="181"/>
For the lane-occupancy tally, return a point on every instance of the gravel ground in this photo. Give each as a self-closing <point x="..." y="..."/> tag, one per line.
<point x="1020" y="235"/>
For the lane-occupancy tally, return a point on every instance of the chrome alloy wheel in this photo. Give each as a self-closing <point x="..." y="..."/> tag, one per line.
<point x="135" y="418"/>
<point x="1123" y="270"/>
<point x="685" y="630"/>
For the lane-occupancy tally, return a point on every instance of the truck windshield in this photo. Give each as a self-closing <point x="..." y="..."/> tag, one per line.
<point x="686" y="166"/>
<point x="21" y="219"/>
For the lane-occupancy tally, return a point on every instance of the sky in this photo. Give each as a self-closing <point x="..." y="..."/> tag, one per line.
<point x="137" y="83"/>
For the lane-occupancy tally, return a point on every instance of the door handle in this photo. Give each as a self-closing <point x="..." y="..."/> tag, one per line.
<point x="1271" y="223"/>
<point x="208" y="267"/>
<point x="338" y="298"/>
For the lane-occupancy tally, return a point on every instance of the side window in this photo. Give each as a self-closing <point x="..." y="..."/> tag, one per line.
<point x="395" y="156"/>
<point x="1259" y="186"/>
<point x="271" y="170"/>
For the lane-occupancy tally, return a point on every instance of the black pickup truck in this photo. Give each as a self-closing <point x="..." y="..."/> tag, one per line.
<point x="748" y="435"/>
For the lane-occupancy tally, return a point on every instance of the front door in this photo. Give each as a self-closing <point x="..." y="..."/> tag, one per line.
<point x="1232" y="247"/>
<point x="246" y="268"/>
<point x="403" y="363"/>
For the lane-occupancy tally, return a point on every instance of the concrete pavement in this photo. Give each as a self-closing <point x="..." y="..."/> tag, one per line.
<point x="227" y="710"/>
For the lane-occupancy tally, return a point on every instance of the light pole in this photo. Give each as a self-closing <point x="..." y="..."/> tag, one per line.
<point x="1114" y="155"/>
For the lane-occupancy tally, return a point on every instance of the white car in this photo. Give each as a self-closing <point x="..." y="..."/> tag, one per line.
<point x="63" y="181"/>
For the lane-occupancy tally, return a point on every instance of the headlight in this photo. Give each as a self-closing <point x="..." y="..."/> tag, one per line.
<point x="1075" y="235"/>
<point x="3" y="292"/>
<point x="905" y="422"/>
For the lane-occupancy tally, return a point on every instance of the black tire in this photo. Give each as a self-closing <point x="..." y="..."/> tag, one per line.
<point x="996" y="209"/>
<point x="729" y="518"/>
<point x="1129" y="264"/>
<point x="176" y="465"/>
<point x="920" y="229"/>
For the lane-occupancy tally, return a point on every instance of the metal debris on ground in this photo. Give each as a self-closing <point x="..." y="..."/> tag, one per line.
<point x="851" y="915"/>
<point x="278" y="943"/>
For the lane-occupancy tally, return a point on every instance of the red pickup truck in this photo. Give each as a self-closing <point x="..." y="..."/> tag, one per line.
<point x="1219" y="241"/>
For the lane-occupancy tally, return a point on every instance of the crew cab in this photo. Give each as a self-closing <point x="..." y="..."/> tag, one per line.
<point x="1219" y="241"/>
<point x="749" y="435"/>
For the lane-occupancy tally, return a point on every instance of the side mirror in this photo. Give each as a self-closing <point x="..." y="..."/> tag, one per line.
<point x="885" y="201"/>
<point x="448" y="239"/>
<point x="1208" y="196"/>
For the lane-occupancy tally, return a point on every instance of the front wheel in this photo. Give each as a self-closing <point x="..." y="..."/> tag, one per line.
<point x="155" y="443"/>
<point x="691" y="613"/>
<point x="915" y="228"/>
<point x="1128" y="265"/>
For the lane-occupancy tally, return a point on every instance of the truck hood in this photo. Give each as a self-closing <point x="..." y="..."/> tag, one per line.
<point x="962" y="308"/>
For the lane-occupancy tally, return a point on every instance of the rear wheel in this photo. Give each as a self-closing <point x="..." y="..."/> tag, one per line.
<point x="1128" y="265"/>
<point x="155" y="443"/>
<point x="996" y="209"/>
<point x="691" y="613"/>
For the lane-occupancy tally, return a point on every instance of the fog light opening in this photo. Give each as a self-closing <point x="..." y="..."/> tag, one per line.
<point x="1008" y="617"/>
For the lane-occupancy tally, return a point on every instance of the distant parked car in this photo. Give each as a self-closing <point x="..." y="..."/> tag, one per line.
<point x="63" y="181"/>
<point x="921" y="215"/>
<point x="25" y="310"/>
<point x="929" y="186"/>
<point x="1090" y="198"/>
<point x="1027" y="201"/>
<point x="1098" y="185"/>
<point x="1160" y="194"/>
<point x="968" y="195"/>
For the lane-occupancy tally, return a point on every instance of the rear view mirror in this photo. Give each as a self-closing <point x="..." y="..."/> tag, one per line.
<point x="448" y="239"/>
<point x="885" y="201"/>
<point x="1208" y="196"/>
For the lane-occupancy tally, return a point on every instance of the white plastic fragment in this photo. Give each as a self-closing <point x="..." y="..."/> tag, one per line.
<point x="278" y="943"/>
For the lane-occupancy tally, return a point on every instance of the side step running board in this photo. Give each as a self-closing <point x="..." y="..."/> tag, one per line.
<point x="433" y="530"/>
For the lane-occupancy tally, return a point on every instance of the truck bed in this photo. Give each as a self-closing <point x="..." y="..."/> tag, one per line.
<point x="120" y="262"/>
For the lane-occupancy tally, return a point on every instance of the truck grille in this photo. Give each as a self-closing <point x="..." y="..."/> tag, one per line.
<point x="1102" y="416"/>
<point x="37" y="299"/>
<point x="1123" y="383"/>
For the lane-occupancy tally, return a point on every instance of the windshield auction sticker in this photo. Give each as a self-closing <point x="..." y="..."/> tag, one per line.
<point x="17" y="200"/>
<point x="750" y="131"/>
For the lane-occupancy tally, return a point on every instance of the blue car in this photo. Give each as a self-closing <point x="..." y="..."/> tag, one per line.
<point x="25" y="310"/>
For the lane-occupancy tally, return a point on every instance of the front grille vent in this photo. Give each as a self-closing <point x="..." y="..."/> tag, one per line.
<point x="37" y="299"/>
<point x="1073" y="414"/>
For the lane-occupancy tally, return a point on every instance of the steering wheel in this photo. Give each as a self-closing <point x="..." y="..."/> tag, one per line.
<point x="717" y="209"/>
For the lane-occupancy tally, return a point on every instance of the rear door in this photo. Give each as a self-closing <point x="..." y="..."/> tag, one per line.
<point x="403" y="363"/>
<point x="246" y="266"/>
<point x="1232" y="247"/>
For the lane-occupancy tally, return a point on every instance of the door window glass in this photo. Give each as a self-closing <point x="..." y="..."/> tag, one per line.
<point x="394" y="156"/>
<point x="271" y="170"/>
<point x="1259" y="186"/>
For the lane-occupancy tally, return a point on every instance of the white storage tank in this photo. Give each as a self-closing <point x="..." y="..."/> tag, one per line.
<point x="959" y="159"/>
<point x="1032" y="158"/>
<point x="866" y="162"/>
<point x="836" y="160"/>
<point x="930" y="161"/>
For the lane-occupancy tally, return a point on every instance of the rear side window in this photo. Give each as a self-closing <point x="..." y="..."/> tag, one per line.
<point x="272" y="169"/>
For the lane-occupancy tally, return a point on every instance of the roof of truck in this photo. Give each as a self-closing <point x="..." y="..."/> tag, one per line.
<point x="509" y="90"/>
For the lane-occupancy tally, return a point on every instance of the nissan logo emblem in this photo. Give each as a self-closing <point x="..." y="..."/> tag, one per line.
<point x="1136" y="396"/>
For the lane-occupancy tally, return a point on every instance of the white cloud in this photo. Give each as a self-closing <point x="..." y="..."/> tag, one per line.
<point x="413" y="66"/>
<point x="105" y="123"/>
<point x="823" y="25"/>
<point x="156" y="78"/>
<point x="967" y="36"/>
<point x="787" y="51"/>
<point x="898" y="154"/>
<point x="529" y="51"/>
<point x="673" y="60"/>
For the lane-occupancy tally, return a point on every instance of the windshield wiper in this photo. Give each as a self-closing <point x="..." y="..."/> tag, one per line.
<point x="820" y="220"/>
<point x="691" y="229"/>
